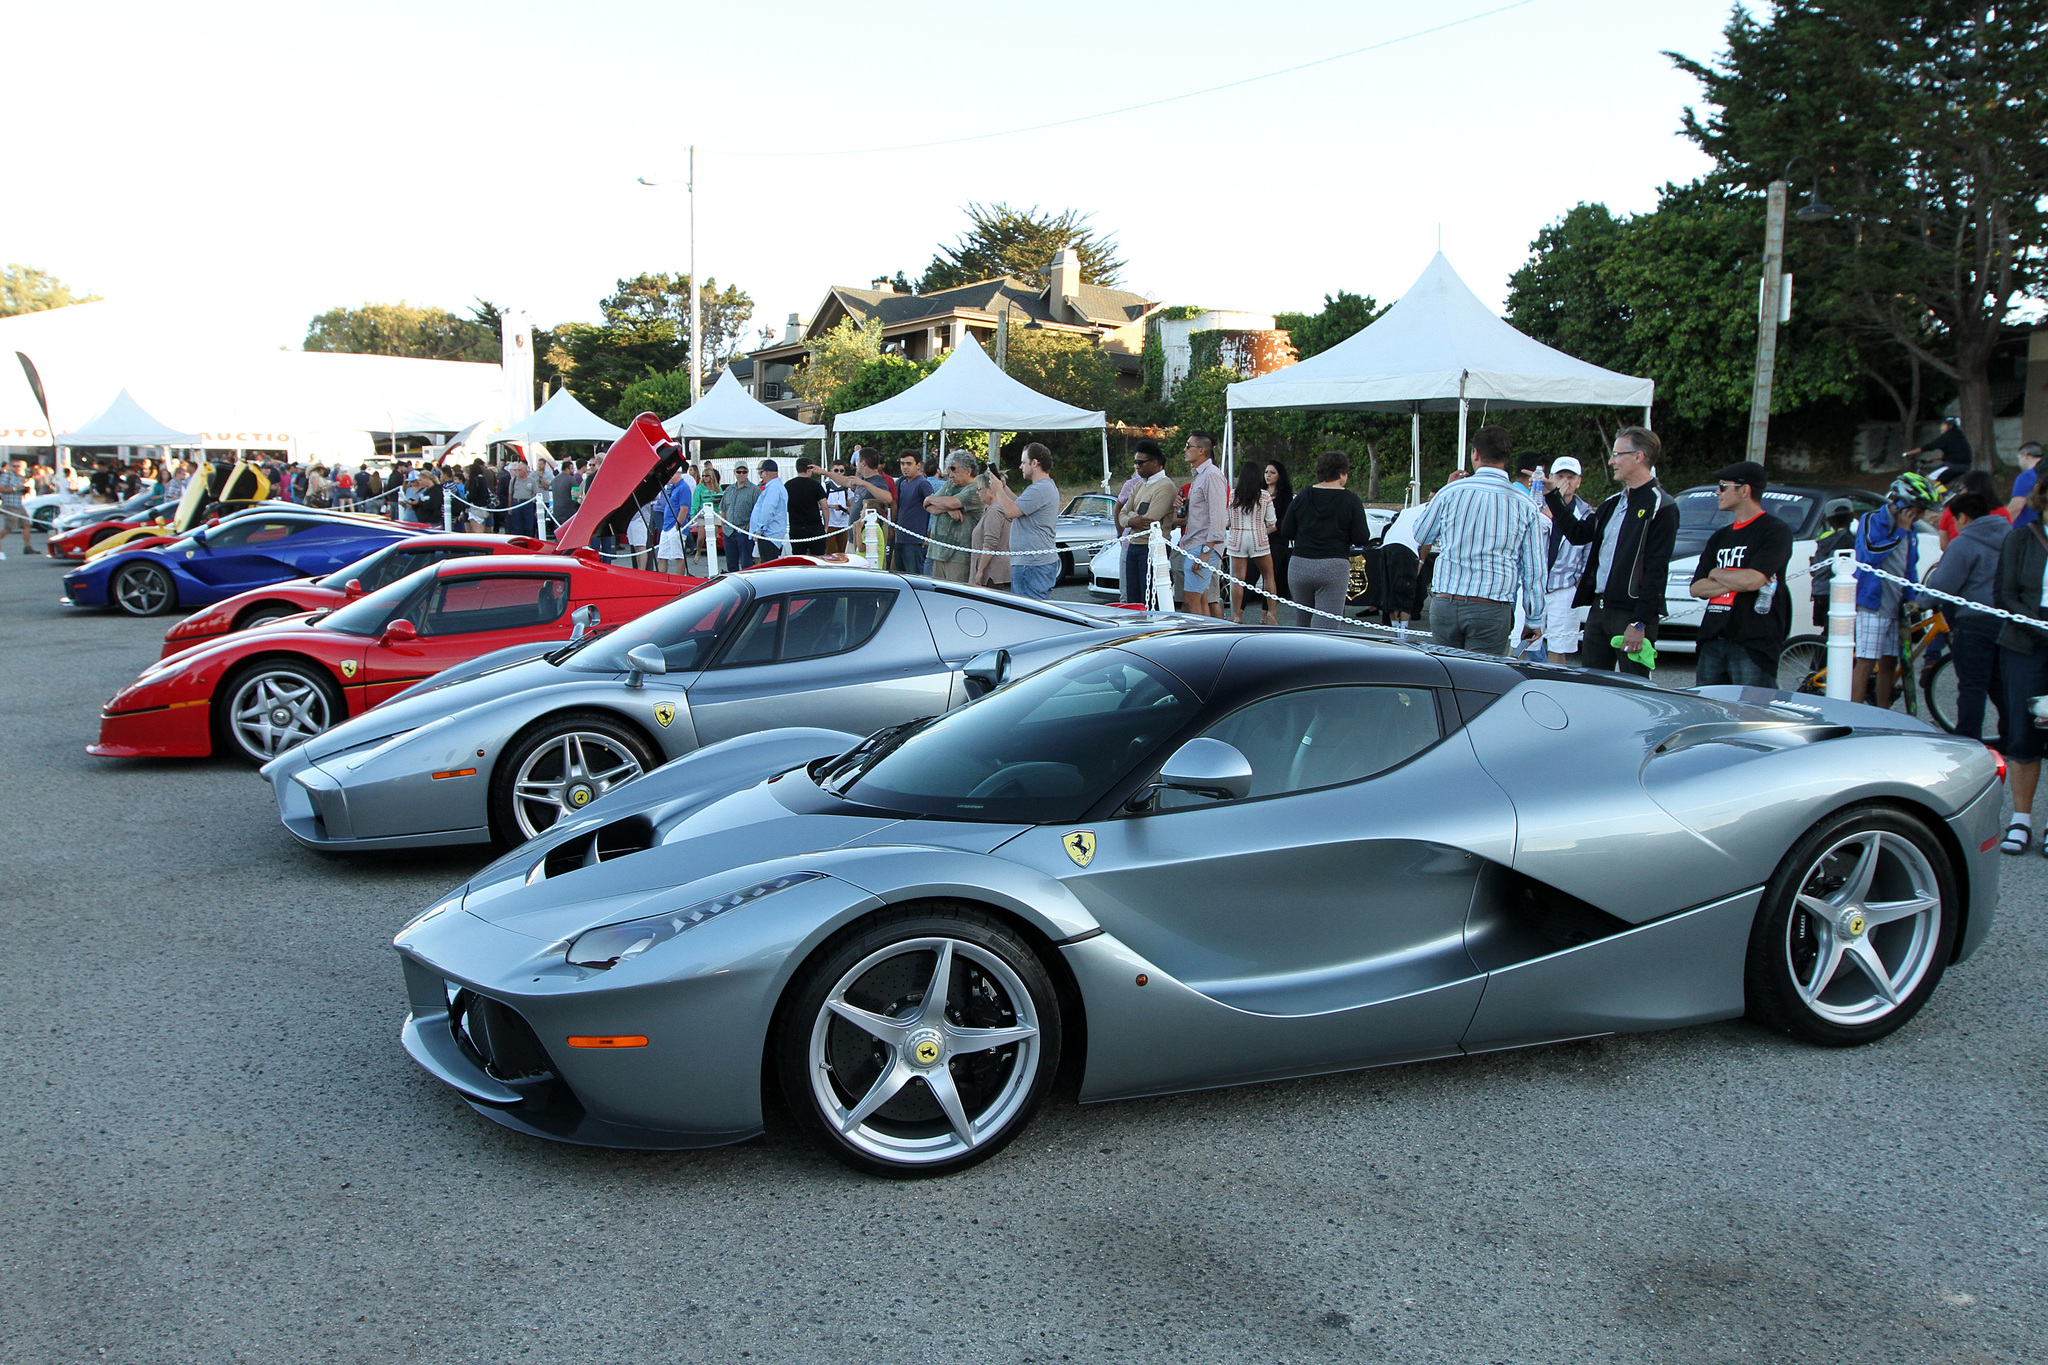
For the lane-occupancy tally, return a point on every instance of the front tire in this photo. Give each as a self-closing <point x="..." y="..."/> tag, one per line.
<point x="559" y="765"/>
<point x="1855" y="929"/>
<point x="920" y="1043"/>
<point x="275" y="705"/>
<point x="143" y="590"/>
<point x="264" y="613"/>
<point x="1798" y="662"/>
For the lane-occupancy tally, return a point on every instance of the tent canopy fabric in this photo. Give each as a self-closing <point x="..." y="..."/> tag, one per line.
<point x="124" y="423"/>
<point x="1435" y="347"/>
<point x="561" y="418"/>
<point x="730" y="413"/>
<point x="968" y="393"/>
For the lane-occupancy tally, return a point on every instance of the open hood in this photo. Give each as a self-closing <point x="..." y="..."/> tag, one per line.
<point x="634" y="470"/>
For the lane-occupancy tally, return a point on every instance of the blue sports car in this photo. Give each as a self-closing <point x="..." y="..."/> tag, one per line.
<point x="217" y="561"/>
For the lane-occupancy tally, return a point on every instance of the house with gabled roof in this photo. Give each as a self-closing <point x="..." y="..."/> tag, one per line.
<point x="921" y="326"/>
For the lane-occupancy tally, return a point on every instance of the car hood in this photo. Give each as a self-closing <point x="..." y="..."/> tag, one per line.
<point x="693" y="854"/>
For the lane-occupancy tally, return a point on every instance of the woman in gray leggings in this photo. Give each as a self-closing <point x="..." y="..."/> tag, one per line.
<point x="1323" y="522"/>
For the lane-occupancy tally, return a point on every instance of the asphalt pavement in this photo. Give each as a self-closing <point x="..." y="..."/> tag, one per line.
<point x="216" y="1151"/>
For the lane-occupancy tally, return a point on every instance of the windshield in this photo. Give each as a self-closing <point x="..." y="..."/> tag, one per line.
<point x="1091" y="505"/>
<point x="1043" y="749"/>
<point x="369" y="615"/>
<point x="685" y="631"/>
<point x="392" y="563"/>
<point x="1700" y="515"/>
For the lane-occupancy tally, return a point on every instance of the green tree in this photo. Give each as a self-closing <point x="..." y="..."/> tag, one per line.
<point x="1063" y="365"/>
<point x="25" y="289"/>
<point x="664" y="395"/>
<point x="420" y="331"/>
<point x="1001" y="240"/>
<point x="646" y="331"/>
<point x="1925" y="121"/>
<point x="1344" y="315"/>
<point x="833" y="359"/>
<point x="883" y="377"/>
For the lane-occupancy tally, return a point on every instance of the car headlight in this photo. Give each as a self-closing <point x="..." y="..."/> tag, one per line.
<point x="610" y="944"/>
<point x="452" y="901"/>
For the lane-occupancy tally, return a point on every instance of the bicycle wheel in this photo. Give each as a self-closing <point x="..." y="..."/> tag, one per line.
<point x="1944" y="701"/>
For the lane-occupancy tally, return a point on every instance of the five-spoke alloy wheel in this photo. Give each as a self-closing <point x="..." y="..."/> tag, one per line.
<point x="921" y="1043"/>
<point x="1855" y="929"/>
<point x="560" y="766"/>
<point x="278" y="705"/>
<point x="143" y="590"/>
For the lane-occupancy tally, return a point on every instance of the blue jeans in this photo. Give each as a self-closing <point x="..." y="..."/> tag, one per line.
<point x="1034" y="580"/>
<point x="1973" y="640"/>
<point x="908" y="555"/>
<point x="1137" y="573"/>
<point x="739" y="552"/>
<point x="1723" y="663"/>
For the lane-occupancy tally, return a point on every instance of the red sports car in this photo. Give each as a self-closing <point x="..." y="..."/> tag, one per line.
<point x="259" y="606"/>
<point x="258" y="693"/>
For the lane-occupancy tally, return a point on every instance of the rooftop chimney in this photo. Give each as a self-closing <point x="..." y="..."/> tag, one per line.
<point x="1066" y="278"/>
<point x="881" y="282"/>
<point x="795" y="331"/>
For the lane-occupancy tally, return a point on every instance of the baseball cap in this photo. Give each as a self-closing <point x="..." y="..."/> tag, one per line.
<point x="1745" y="471"/>
<point x="1567" y="464"/>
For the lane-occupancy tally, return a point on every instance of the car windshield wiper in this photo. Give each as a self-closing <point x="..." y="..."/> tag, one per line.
<point x="840" y="773"/>
<point x="557" y="656"/>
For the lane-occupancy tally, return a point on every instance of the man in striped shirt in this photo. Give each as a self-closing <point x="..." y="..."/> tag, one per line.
<point x="1489" y="547"/>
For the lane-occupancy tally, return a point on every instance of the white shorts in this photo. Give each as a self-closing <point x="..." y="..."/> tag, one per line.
<point x="671" y="545"/>
<point x="1877" y="636"/>
<point x="1562" y="626"/>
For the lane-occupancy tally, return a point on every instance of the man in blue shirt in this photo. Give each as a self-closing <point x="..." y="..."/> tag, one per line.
<point x="913" y="486"/>
<point x="768" y="523"/>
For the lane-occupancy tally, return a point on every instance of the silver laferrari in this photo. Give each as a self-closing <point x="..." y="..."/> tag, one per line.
<point x="1194" y="858"/>
<point x="502" y="747"/>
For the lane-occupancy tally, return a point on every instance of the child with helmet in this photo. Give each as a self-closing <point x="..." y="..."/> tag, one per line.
<point x="1886" y="539"/>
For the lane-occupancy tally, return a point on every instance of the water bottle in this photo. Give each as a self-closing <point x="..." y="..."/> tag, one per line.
<point x="1764" y="595"/>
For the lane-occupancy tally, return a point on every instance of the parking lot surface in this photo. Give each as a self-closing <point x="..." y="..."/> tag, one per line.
<point x="216" y="1151"/>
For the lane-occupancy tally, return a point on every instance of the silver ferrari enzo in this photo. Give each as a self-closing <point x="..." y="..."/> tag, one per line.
<point x="1195" y="858"/>
<point x="501" y="748"/>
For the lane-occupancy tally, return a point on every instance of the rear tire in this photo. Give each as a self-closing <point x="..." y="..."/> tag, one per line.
<point x="142" y="589"/>
<point x="892" y="1089"/>
<point x="1855" y="929"/>
<point x="1798" y="662"/>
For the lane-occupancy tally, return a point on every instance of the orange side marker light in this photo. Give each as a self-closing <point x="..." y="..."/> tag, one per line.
<point x="608" y="1040"/>
<point x="456" y="772"/>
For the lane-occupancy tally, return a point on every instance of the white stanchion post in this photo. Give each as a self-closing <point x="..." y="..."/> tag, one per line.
<point x="714" y="561"/>
<point x="871" y="538"/>
<point x="1841" y="624"/>
<point x="447" y="509"/>
<point x="1162" y="572"/>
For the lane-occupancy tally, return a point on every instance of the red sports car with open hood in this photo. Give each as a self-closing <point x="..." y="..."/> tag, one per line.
<point x="259" y="692"/>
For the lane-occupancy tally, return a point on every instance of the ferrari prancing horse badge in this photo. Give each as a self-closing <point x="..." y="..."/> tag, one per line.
<point x="1080" y="846"/>
<point x="348" y="668"/>
<point x="664" y="712"/>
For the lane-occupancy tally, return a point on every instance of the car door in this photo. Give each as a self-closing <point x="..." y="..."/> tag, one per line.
<point x="459" y="616"/>
<point x="848" y="659"/>
<point x="322" y="547"/>
<point x="1334" y="895"/>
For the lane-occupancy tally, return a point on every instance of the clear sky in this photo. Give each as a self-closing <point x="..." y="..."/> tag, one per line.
<point x="263" y="162"/>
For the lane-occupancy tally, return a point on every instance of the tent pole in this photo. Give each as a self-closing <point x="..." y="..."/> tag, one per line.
<point x="1105" y="459"/>
<point x="1464" y="414"/>
<point x="1646" y="417"/>
<point x="1415" y="454"/>
<point x="1229" y="449"/>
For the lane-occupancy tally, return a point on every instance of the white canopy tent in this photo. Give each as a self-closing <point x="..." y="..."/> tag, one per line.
<point x="561" y="418"/>
<point x="124" y="423"/>
<point x="1439" y="349"/>
<point x="968" y="393"/>
<point x="730" y="413"/>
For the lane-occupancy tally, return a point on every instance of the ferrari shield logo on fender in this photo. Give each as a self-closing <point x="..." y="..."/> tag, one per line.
<point x="1080" y="846"/>
<point x="664" y="713"/>
<point x="348" y="668"/>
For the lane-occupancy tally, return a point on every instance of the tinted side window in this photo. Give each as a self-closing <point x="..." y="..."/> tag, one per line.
<point x="1326" y="735"/>
<point x="253" y="531"/>
<point x="786" y="629"/>
<point x="461" y="606"/>
<point x="399" y="563"/>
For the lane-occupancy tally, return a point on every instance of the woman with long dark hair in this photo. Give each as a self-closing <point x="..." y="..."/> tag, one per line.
<point x="1247" y="529"/>
<point x="1281" y="485"/>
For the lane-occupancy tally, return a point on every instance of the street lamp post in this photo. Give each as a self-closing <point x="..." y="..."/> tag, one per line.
<point x="696" y="314"/>
<point x="1771" y="302"/>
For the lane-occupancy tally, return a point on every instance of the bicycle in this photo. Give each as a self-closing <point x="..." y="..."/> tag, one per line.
<point x="1919" y="638"/>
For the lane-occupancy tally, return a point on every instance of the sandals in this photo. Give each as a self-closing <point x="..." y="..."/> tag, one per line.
<point x="2016" y="840"/>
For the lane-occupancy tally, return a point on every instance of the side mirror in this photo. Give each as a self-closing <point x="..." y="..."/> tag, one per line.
<point x="199" y="536"/>
<point x="584" y="620"/>
<point x="645" y="659"/>
<point x="351" y="590"/>
<point x="986" y="671"/>
<point x="399" y="632"/>
<point x="1207" y="767"/>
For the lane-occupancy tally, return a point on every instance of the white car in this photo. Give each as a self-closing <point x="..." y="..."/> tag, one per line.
<point x="1798" y="505"/>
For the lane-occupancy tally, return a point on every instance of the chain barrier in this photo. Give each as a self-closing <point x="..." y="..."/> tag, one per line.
<point x="1858" y="566"/>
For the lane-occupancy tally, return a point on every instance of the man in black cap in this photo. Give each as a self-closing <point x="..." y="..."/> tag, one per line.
<point x="1952" y="447"/>
<point x="1740" y="573"/>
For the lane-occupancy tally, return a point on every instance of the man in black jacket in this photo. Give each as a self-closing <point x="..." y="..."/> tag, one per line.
<point x="1631" y="534"/>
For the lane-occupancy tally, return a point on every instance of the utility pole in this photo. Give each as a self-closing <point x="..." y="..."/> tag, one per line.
<point x="696" y="316"/>
<point x="1767" y="322"/>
